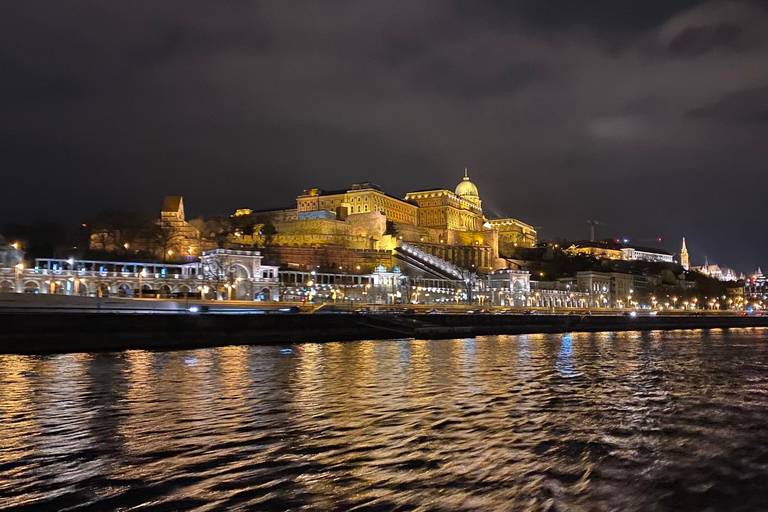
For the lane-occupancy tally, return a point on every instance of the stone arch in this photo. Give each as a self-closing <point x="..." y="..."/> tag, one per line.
<point x="31" y="287"/>
<point x="124" y="290"/>
<point x="240" y="270"/>
<point x="264" y="294"/>
<point x="103" y="290"/>
<point x="244" y="290"/>
<point x="7" y="287"/>
<point x="165" y="292"/>
<point x="83" y="290"/>
<point x="59" y="287"/>
<point x="185" y="291"/>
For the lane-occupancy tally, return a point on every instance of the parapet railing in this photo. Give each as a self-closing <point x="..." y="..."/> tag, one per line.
<point x="436" y="261"/>
<point x="67" y="273"/>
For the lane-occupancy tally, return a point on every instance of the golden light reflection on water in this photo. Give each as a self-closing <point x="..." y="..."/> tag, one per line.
<point x="591" y="421"/>
<point x="16" y="417"/>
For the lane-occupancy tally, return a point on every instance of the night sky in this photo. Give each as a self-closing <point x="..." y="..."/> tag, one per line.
<point x="649" y="116"/>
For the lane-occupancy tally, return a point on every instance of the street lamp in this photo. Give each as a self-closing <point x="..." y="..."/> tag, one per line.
<point x="18" y="268"/>
<point x="310" y="294"/>
<point x="142" y="275"/>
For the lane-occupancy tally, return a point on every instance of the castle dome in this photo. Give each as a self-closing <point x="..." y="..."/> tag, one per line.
<point x="466" y="188"/>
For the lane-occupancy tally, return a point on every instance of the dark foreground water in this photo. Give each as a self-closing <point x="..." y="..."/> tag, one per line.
<point x="660" y="421"/>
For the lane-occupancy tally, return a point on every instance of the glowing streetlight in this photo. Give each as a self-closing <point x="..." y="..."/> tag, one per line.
<point x="17" y="270"/>
<point x="142" y="275"/>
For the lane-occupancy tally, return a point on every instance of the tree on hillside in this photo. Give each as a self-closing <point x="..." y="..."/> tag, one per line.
<point x="163" y="240"/>
<point x="113" y="230"/>
<point x="391" y="229"/>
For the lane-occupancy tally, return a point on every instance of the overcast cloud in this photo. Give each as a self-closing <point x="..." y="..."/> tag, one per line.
<point x="650" y="116"/>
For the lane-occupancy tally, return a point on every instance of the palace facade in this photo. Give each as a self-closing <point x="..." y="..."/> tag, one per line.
<point x="355" y="229"/>
<point x="447" y="223"/>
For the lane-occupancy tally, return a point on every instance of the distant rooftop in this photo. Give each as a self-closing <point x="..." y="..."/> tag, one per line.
<point x="654" y="250"/>
<point x="616" y="246"/>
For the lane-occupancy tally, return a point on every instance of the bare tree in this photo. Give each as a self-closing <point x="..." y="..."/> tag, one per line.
<point x="163" y="239"/>
<point x="219" y="272"/>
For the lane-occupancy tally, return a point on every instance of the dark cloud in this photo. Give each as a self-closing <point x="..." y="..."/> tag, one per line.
<point x="444" y="77"/>
<point x="647" y="115"/>
<point x="748" y="106"/>
<point x="612" y="21"/>
<point x="696" y="41"/>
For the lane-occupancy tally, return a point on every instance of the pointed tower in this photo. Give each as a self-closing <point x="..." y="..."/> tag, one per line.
<point x="684" y="257"/>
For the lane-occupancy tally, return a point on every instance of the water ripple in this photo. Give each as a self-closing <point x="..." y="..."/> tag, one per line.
<point x="585" y="422"/>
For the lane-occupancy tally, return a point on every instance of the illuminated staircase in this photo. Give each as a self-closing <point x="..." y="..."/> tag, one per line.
<point x="430" y="263"/>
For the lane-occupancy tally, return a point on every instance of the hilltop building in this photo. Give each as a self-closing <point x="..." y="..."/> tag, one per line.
<point x="635" y="253"/>
<point x="600" y="249"/>
<point x="756" y="287"/>
<point x="178" y="235"/>
<point x="612" y="250"/>
<point x="447" y="224"/>
<point x="716" y="272"/>
<point x="169" y="237"/>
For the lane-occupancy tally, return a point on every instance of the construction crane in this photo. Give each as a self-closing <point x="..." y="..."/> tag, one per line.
<point x="592" y="224"/>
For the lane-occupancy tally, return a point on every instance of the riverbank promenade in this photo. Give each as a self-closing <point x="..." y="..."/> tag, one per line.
<point x="64" y="324"/>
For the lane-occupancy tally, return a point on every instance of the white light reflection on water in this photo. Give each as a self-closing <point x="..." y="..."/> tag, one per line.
<point x="564" y="364"/>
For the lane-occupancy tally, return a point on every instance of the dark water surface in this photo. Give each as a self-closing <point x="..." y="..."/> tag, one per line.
<point x="659" y="421"/>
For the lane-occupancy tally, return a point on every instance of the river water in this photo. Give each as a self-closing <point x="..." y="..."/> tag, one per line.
<point x="658" y="421"/>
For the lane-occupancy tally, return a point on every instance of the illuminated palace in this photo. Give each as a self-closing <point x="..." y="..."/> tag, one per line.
<point x="447" y="224"/>
<point x="436" y="241"/>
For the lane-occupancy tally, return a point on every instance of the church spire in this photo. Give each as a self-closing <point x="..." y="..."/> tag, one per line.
<point x="684" y="257"/>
